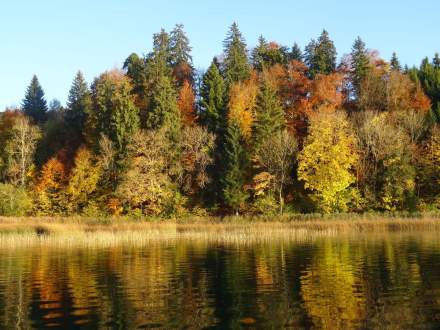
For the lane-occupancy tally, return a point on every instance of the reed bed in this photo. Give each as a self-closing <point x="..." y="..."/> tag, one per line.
<point x="86" y="232"/>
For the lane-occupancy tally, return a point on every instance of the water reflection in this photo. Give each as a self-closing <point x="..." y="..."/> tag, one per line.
<point x="369" y="282"/>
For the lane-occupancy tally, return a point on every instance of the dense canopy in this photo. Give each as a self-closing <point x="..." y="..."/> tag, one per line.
<point x="262" y="131"/>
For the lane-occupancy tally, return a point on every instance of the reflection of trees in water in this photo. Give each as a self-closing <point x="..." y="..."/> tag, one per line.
<point x="328" y="284"/>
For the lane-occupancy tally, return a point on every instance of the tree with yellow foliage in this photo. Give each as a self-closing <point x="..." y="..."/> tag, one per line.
<point x="83" y="181"/>
<point x="326" y="161"/>
<point x="242" y="101"/>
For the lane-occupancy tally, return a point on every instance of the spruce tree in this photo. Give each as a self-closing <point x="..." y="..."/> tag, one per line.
<point x="34" y="103"/>
<point x="258" y="52"/>
<point x="180" y="55"/>
<point x="180" y="50"/>
<point x="269" y="114"/>
<point x="159" y="60"/>
<point x="236" y="162"/>
<point x="164" y="111"/>
<point x="321" y="55"/>
<point x="296" y="53"/>
<point x="360" y="64"/>
<point x="79" y="104"/>
<point x="395" y="63"/>
<point x="236" y="66"/>
<point x="436" y="61"/>
<point x="212" y="100"/>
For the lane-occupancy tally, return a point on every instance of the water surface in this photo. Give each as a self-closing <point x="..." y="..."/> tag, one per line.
<point x="362" y="282"/>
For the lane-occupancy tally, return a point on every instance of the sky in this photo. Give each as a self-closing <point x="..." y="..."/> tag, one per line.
<point x="54" y="39"/>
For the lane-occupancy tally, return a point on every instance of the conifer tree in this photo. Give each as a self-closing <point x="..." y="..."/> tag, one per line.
<point x="321" y="55"/>
<point x="436" y="61"/>
<point x="296" y="53"/>
<point x="115" y="113"/>
<point x="269" y="114"/>
<point x="212" y="99"/>
<point x="79" y="104"/>
<point x="135" y="69"/>
<point x="159" y="60"/>
<point x="235" y="67"/>
<point x="164" y="110"/>
<point x="236" y="163"/>
<point x="34" y="103"/>
<point x="395" y="63"/>
<point x="258" y="52"/>
<point x="360" y="64"/>
<point x="180" y="54"/>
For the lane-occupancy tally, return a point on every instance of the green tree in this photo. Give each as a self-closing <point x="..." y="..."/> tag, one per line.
<point x="236" y="65"/>
<point x="79" y="104"/>
<point x="320" y="55"/>
<point x="429" y="77"/>
<point x="212" y="100"/>
<point x="164" y="109"/>
<point x="267" y="54"/>
<point x="180" y="53"/>
<point x="327" y="161"/>
<point x="14" y="201"/>
<point x="395" y="63"/>
<point x="257" y="56"/>
<point x="34" y="103"/>
<point x="360" y="64"/>
<point x="115" y="113"/>
<point x="296" y="53"/>
<point x="135" y="69"/>
<point x="158" y="62"/>
<point x="236" y="163"/>
<point x="269" y="114"/>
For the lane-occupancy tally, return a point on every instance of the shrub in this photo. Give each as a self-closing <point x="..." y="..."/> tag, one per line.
<point x="14" y="201"/>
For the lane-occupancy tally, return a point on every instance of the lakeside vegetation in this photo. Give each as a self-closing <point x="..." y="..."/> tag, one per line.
<point x="264" y="131"/>
<point x="104" y="232"/>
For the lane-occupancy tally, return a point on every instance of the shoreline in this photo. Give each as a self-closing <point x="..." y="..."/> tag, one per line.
<point x="78" y="231"/>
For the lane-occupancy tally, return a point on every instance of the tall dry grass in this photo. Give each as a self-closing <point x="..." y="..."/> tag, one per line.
<point x="79" y="231"/>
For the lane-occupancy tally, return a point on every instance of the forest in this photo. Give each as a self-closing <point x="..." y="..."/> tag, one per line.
<point x="263" y="131"/>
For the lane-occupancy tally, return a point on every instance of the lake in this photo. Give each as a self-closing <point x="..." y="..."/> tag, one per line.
<point x="364" y="281"/>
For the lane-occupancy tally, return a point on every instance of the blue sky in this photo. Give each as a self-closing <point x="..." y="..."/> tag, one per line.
<point x="54" y="38"/>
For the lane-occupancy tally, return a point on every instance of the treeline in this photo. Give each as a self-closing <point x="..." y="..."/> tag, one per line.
<point x="265" y="131"/>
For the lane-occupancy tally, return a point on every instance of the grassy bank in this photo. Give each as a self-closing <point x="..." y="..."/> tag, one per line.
<point x="110" y="231"/>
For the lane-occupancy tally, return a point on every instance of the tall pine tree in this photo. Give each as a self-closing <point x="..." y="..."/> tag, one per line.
<point x="212" y="100"/>
<point x="34" y="103"/>
<point x="296" y="53"/>
<point x="269" y="114"/>
<point x="159" y="60"/>
<point x="236" y="65"/>
<point x="180" y="53"/>
<point x="321" y="55"/>
<point x="360" y="64"/>
<point x="164" y="110"/>
<point x="236" y="162"/>
<point x="395" y="63"/>
<point x="79" y="104"/>
<point x="258" y="53"/>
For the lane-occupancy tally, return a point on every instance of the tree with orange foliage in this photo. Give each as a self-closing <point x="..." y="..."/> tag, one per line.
<point x="186" y="104"/>
<point x="294" y="92"/>
<point x="49" y="188"/>
<point x="326" y="91"/>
